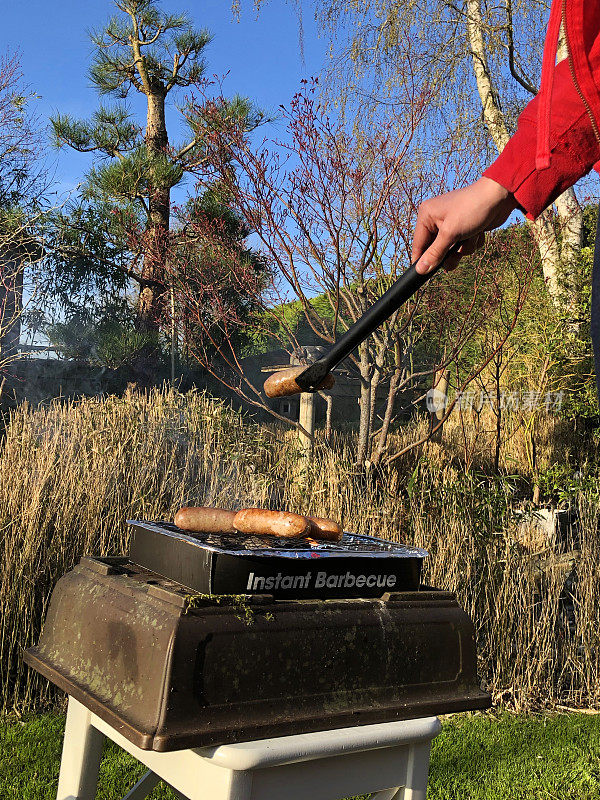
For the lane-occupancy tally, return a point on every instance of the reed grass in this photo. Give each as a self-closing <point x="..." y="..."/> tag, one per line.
<point x="72" y="473"/>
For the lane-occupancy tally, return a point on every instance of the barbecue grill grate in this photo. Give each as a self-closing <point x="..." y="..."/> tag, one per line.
<point x="236" y="544"/>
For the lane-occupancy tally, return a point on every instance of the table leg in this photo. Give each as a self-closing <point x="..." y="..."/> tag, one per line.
<point x="143" y="787"/>
<point x="386" y="794"/>
<point x="81" y="755"/>
<point x="417" y="773"/>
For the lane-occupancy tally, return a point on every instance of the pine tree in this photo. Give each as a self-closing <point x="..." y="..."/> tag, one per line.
<point x="146" y="51"/>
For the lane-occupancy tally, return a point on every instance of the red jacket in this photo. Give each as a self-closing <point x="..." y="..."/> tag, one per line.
<point x="557" y="140"/>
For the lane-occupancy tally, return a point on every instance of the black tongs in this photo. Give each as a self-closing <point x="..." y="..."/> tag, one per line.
<point x="402" y="290"/>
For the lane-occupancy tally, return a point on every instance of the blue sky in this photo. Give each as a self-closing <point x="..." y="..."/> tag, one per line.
<point x="261" y="52"/>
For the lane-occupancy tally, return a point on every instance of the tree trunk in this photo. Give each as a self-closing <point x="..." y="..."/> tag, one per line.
<point x="328" y="422"/>
<point x="440" y="385"/>
<point x="306" y="432"/>
<point x="364" y="405"/>
<point x="545" y="238"/>
<point x="173" y="333"/>
<point x="11" y="306"/>
<point x="404" y="351"/>
<point x="151" y="299"/>
<point x="400" y="370"/>
<point x="387" y="417"/>
<point x="498" y="410"/>
<point x="375" y="379"/>
<point x="492" y="114"/>
<point x="558" y="267"/>
<point x="570" y="215"/>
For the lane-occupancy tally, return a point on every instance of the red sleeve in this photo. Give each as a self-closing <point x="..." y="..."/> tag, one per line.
<point x="573" y="145"/>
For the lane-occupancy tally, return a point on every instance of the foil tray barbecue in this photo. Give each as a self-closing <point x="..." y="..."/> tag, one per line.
<point x="170" y="670"/>
<point x="357" y="566"/>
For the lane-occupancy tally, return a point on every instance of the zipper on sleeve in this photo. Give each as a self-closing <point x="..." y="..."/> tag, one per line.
<point x="586" y="104"/>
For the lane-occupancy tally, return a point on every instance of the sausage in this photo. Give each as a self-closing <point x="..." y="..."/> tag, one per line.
<point x="283" y="383"/>
<point x="205" y="520"/>
<point x="261" y="522"/>
<point x="326" y="529"/>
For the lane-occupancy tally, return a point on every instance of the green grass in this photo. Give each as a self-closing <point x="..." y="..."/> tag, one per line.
<point x="477" y="757"/>
<point x="481" y="757"/>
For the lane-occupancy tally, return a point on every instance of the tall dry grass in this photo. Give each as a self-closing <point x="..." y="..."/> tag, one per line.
<point x="72" y="473"/>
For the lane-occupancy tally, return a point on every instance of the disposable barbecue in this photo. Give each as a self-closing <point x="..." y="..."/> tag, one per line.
<point x="356" y="566"/>
<point x="171" y="668"/>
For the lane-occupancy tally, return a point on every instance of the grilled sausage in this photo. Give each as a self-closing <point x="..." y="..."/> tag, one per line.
<point x="283" y="383"/>
<point x="205" y="520"/>
<point x="326" y="529"/>
<point x="261" y="521"/>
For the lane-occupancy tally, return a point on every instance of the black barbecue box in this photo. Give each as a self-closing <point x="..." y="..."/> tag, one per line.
<point x="218" y="563"/>
<point x="198" y="640"/>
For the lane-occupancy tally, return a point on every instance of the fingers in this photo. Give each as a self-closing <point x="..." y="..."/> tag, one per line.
<point x="425" y="233"/>
<point x="436" y="251"/>
<point x="453" y="260"/>
<point x="458" y="216"/>
<point x="467" y="248"/>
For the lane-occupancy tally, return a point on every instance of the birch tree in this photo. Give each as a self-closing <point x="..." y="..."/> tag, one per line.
<point x="558" y="253"/>
<point x="480" y="61"/>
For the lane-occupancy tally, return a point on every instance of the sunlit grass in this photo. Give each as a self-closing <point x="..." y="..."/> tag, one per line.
<point x="476" y="757"/>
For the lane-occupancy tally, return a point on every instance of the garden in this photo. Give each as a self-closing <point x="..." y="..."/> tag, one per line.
<point x="204" y="230"/>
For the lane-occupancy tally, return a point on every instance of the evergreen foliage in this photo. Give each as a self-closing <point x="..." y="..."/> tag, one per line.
<point x="219" y="277"/>
<point x="118" y="231"/>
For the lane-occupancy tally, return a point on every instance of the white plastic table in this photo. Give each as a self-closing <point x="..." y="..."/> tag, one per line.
<point x="390" y="760"/>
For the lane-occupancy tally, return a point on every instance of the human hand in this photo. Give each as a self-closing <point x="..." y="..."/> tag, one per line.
<point x="459" y="216"/>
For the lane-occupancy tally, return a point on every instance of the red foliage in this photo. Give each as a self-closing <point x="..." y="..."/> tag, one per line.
<point x="332" y="211"/>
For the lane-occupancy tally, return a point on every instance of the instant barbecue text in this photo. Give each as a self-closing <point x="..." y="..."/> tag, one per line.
<point x="319" y="580"/>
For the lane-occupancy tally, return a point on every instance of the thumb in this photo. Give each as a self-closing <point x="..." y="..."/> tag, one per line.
<point x="435" y="253"/>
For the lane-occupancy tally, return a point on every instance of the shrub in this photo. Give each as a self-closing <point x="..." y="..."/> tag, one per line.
<point x="73" y="473"/>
